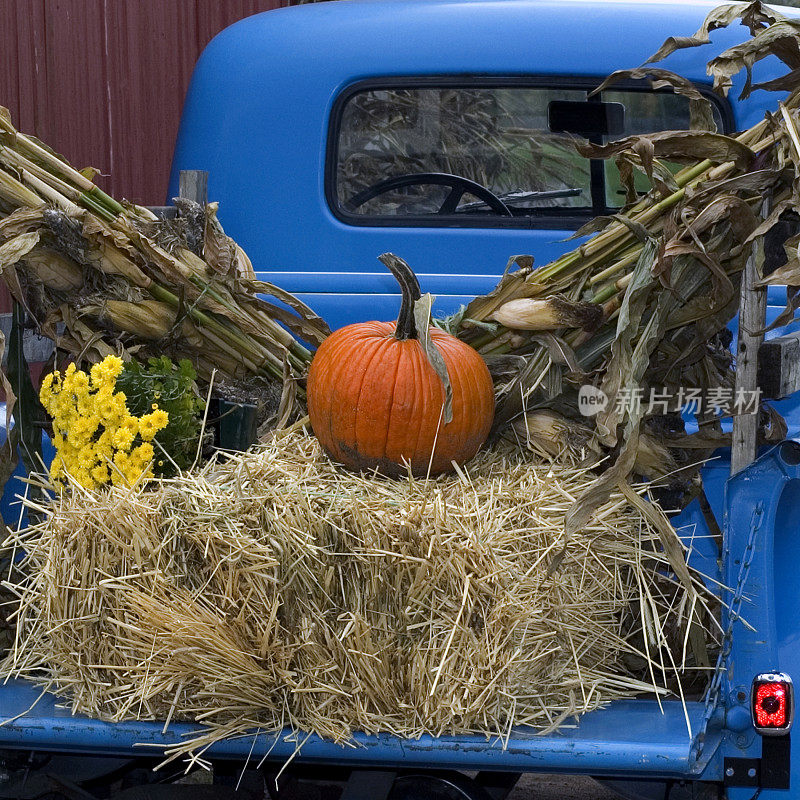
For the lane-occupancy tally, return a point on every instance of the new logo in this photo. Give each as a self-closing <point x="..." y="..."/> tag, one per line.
<point x="591" y="400"/>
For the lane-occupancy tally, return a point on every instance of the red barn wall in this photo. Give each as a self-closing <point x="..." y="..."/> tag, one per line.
<point x="103" y="81"/>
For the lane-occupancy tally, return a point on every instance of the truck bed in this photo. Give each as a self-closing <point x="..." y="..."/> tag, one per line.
<point x="626" y="737"/>
<point x="636" y="736"/>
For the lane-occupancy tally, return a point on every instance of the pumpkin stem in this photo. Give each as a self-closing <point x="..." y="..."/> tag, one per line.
<point x="409" y="286"/>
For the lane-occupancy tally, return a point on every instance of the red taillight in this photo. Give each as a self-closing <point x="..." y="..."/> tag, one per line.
<point x="772" y="702"/>
<point x="770" y="705"/>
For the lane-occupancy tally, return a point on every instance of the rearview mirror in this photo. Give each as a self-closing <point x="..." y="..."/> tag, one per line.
<point x="586" y="118"/>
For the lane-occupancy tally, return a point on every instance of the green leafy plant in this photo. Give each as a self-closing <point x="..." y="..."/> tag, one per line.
<point x="172" y="387"/>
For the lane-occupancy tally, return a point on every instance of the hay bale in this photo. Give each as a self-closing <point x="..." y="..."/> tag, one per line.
<point x="276" y="589"/>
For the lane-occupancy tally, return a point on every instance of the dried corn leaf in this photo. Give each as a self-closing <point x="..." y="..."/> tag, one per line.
<point x="620" y="368"/>
<point x="784" y="83"/>
<point x="54" y="270"/>
<point x="6" y="123"/>
<point x="743" y="184"/>
<point x="23" y="220"/>
<point x="112" y="252"/>
<point x="17" y="248"/>
<point x="753" y="14"/>
<point x="219" y="250"/>
<point x="422" y="322"/>
<point x="701" y="112"/>
<point x="763" y="228"/>
<point x="681" y="146"/>
<point x="511" y="285"/>
<point x="81" y="340"/>
<point x="244" y="267"/>
<point x="779" y="39"/>
<point x="306" y="323"/>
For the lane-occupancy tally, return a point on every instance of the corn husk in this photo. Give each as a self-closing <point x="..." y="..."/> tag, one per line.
<point x="548" y="314"/>
<point x="55" y="225"/>
<point x="54" y="270"/>
<point x="147" y="319"/>
<point x="555" y="436"/>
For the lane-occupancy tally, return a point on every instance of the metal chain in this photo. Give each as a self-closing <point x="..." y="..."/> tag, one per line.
<point x="734" y="612"/>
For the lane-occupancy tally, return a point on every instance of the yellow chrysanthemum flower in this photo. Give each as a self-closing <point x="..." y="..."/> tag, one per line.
<point x="93" y="428"/>
<point x="123" y="438"/>
<point x="101" y="474"/>
<point x="151" y="424"/>
<point x="142" y="455"/>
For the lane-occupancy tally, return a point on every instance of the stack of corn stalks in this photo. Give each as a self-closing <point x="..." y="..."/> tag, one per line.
<point x="99" y="277"/>
<point x="643" y="304"/>
<point x="277" y="590"/>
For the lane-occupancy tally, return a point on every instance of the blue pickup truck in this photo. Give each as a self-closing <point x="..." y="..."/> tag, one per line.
<point x="444" y="131"/>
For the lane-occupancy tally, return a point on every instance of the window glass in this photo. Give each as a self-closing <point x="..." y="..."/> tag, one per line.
<point x="646" y="112"/>
<point x="401" y="152"/>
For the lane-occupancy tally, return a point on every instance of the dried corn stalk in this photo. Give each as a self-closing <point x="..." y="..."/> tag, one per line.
<point x="118" y="280"/>
<point x="662" y="275"/>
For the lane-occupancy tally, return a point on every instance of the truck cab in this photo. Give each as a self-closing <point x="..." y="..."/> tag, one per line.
<point x="444" y="131"/>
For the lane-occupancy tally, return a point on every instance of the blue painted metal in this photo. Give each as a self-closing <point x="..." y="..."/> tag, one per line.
<point x="760" y="551"/>
<point x="341" y="309"/>
<point x="626" y="737"/>
<point x="261" y="85"/>
<point x="11" y="509"/>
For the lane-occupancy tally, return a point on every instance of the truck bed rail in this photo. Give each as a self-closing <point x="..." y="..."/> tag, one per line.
<point x="628" y="736"/>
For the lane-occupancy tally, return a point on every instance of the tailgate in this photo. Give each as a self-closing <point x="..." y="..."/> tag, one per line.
<point x="628" y="736"/>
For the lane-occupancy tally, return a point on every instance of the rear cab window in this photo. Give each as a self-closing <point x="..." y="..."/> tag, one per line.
<point x="469" y="153"/>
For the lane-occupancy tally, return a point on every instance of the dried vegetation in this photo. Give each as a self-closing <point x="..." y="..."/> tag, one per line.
<point x="101" y="277"/>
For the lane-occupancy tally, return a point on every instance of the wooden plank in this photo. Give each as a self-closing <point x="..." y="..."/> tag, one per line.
<point x="194" y="185"/>
<point x="23" y="41"/>
<point x="104" y="82"/>
<point x="75" y="121"/>
<point x="752" y="315"/>
<point x="148" y="73"/>
<point x="9" y="60"/>
<point x="779" y="367"/>
<point x="213" y="16"/>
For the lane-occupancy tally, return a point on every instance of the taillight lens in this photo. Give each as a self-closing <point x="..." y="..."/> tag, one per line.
<point x="772" y="700"/>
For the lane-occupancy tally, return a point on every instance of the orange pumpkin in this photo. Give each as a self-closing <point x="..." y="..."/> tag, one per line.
<point x="375" y="400"/>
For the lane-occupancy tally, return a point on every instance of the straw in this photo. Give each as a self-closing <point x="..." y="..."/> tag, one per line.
<point x="276" y="589"/>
